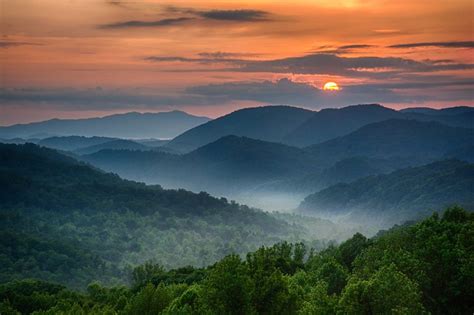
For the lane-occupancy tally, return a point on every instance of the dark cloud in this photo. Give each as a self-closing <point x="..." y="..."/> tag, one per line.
<point x="192" y="15"/>
<point x="9" y="43"/>
<point x="346" y="49"/>
<point x="114" y="2"/>
<point x="283" y="91"/>
<point x="357" y="46"/>
<point x="465" y="44"/>
<point x="227" y="55"/>
<point x="209" y="60"/>
<point x="235" y="15"/>
<point x="157" y="23"/>
<point x="205" y="58"/>
<point x="288" y="92"/>
<point x="99" y="99"/>
<point x="330" y="64"/>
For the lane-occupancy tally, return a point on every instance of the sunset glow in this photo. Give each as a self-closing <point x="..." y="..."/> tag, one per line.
<point x="331" y="86"/>
<point x="199" y="56"/>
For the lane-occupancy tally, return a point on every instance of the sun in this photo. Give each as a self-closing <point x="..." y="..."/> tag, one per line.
<point x="331" y="86"/>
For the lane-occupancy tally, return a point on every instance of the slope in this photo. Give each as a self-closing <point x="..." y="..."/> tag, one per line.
<point x="269" y="123"/>
<point x="401" y="195"/>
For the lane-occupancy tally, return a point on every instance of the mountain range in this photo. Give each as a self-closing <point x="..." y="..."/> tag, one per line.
<point x="253" y="171"/>
<point x="257" y="155"/>
<point x="395" y="138"/>
<point x="164" y="125"/>
<point x="298" y="127"/>
<point x="268" y="123"/>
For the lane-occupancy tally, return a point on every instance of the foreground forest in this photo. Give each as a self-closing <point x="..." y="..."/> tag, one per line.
<point x="422" y="268"/>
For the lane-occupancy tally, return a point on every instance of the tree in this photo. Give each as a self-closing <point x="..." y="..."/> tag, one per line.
<point x="143" y="274"/>
<point x="150" y="300"/>
<point x="387" y="292"/>
<point x="334" y="275"/>
<point x="228" y="288"/>
<point x="349" y="250"/>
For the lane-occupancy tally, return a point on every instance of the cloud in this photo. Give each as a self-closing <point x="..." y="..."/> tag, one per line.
<point x="206" y="58"/>
<point x="235" y="15"/>
<point x="341" y="49"/>
<point x="136" y="24"/>
<point x="465" y="44"/>
<point x="356" y="46"/>
<point x="226" y="55"/>
<point x="99" y="99"/>
<point x="329" y="64"/>
<point x="285" y="91"/>
<point x="192" y="15"/>
<point x="9" y="43"/>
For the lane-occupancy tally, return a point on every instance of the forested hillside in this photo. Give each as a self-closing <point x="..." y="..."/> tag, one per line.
<point x="248" y="162"/>
<point x="63" y="221"/>
<point x="419" y="269"/>
<point x="405" y="194"/>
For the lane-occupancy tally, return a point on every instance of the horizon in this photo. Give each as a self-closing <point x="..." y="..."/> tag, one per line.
<point x="224" y="114"/>
<point x="212" y="58"/>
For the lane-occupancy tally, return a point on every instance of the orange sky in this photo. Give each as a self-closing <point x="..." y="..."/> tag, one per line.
<point x="204" y="55"/>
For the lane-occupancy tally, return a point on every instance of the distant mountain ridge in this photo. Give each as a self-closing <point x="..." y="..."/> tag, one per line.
<point x="72" y="143"/>
<point x="297" y="127"/>
<point x="395" y="138"/>
<point x="129" y="125"/>
<point x="118" y="144"/>
<point x="268" y="123"/>
<point x="442" y="111"/>
<point x="331" y="122"/>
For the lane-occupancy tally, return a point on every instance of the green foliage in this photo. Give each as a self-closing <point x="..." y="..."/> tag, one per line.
<point x="145" y="273"/>
<point x="334" y="275"/>
<point x="416" y="269"/>
<point x="153" y="300"/>
<point x="228" y="287"/>
<point x="351" y="248"/>
<point x="63" y="221"/>
<point x="388" y="291"/>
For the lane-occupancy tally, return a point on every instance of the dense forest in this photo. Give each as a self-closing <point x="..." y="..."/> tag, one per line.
<point x="63" y="221"/>
<point x="413" y="269"/>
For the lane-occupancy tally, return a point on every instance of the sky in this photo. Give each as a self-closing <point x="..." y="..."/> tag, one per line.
<point x="86" y="58"/>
